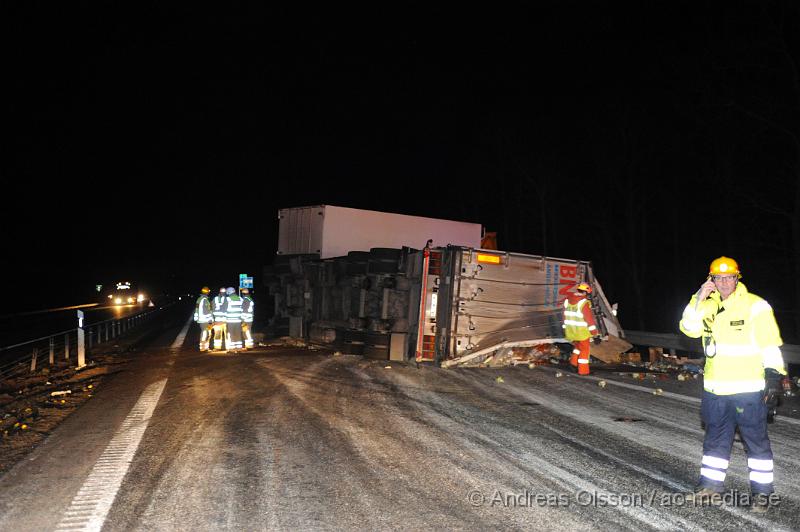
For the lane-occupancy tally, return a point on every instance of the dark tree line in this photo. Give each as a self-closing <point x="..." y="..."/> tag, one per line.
<point x="691" y="153"/>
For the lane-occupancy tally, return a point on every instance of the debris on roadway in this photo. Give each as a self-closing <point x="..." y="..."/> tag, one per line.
<point x="613" y="356"/>
<point x="33" y="404"/>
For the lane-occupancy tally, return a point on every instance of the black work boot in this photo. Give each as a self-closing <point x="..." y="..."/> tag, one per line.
<point x="760" y="504"/>
<point x="704" y="496"/>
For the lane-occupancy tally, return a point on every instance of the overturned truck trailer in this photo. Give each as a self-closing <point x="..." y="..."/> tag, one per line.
<point x="446" y="304"/>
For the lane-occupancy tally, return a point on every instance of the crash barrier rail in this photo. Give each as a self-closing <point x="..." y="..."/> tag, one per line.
<point x="675" y="343"/>
<point x="60" y="347"/>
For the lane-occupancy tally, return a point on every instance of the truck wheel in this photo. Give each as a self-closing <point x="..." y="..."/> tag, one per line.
<point x="383" y="260"/>
<point x="376" y="352"/>
<point x="357" y="262"/>
<point x="353" y="348"/>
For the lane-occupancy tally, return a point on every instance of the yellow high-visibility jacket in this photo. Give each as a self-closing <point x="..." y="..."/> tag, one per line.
<point x="578" y="319"/>
<point x="740" y="339"/>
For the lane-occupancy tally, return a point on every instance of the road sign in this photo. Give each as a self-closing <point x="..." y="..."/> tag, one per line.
<point x="245" y="282"/>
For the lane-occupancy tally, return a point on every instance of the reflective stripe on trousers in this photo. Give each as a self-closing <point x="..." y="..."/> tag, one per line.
<point x="580" y="356"/>
<point x="722" y="414"/>
<point x="234" y="338"/>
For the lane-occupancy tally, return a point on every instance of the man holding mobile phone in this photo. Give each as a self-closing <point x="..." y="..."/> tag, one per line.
<point x="743" y="370"/>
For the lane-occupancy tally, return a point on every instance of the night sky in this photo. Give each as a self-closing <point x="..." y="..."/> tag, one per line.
<point x="157" y="143"/>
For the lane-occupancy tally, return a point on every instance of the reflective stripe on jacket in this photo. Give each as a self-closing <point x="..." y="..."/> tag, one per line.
<point x="740" y="339"/>
<point x="202" y="310"/>
<point x="248" y="307"/>
<point x="233" y="309"/>
<point x="578" y="320"/>
<point x="219" y="308"/>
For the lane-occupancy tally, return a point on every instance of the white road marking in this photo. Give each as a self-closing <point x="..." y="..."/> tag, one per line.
<point x="91" y="504"/>
<point x="182" y="335"/>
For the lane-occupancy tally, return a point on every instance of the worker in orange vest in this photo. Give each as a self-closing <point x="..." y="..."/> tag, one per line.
<point x="579" y="326"/>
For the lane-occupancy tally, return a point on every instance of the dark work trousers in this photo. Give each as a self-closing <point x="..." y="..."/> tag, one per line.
<point x="234" y="339"/>
<point x="722" y="414"/>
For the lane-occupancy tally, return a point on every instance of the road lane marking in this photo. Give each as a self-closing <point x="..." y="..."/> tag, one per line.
<point x="182" y="335"/>
<point x="90" y="506"/>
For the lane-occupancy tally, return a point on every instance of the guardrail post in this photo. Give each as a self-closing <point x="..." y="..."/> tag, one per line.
<point x="34" y="356"/>
<point x="106" y="331"/>
<point x="66" y="346"/>
<point x="81" y="346"/>
<point x="52" y="350"/>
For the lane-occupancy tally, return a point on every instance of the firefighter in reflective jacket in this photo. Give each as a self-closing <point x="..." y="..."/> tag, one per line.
<point x="233" y="318"/>
<point x="744" y="366"/>
<point x="248" y="308"/>
<point x="204" y="317"/>
<point x="579" y="326"/>
<point x="220" y="324"/>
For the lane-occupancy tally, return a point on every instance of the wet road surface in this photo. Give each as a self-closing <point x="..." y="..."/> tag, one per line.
<point x="285" y="438"/>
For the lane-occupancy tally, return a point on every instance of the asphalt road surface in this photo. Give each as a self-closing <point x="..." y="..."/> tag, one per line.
<point x="286" y="438"/>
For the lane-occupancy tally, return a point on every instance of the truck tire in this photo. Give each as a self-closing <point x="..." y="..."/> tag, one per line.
<point x="384" y="253"/>
<point x="353" y="348"/>
<point x="350" y="335"/>
<point x="380" y="340"/>
<point x="376" y="352"/>
<point x="357" y="262"/>
<point x="383" y="260"/>
<point x="377" y="346"/>
<point x="340" y="267"/>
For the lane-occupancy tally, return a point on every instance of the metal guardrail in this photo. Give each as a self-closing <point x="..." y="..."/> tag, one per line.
<point x="60" y="346"/>
<point x="681" y="342"/>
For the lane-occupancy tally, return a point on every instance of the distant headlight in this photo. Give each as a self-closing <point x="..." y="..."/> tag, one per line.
<point x="130" y="300"/>
<point x="140" y="298"/>
<point x="118" y="301"/>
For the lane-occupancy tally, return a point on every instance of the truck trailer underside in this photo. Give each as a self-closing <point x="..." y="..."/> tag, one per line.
<point x="444" y="305"/>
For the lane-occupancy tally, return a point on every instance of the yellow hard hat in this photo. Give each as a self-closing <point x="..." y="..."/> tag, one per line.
<point x="584" y="287"/>
<point x="205" y="290"/>
<point x="724" y="265"/>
